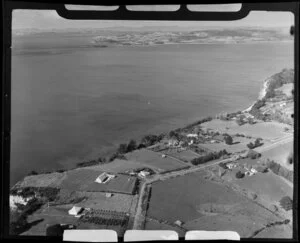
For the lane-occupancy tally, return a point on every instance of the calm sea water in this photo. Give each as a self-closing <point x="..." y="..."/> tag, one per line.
<point x="72" y="104"/>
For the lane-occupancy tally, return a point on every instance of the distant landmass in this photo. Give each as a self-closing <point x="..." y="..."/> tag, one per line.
<point x="139" y="37"/>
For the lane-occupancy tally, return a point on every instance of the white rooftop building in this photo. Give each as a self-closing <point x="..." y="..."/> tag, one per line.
<point x="75" y="210"/>
<point x="104" y="178"/>
<point x="192" y="135"/>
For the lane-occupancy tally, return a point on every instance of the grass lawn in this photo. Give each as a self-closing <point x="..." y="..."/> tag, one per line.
<point x="155" y="225"/>
<point x="265" y="130"/>
<point x="84" y="180"/>
<point x="279" y="154"/>
<point x="154" y="159"/>
<point x="184" y="155"/>
<point x="43" y="180"/>
<point x="116" y="166"/>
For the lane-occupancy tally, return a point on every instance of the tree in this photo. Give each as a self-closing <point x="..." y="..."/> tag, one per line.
<point x="290" y="158"/>
<point x="228" y="140"/>
<point x="33" y="172"/>
<point x="131" y="145"/>
<point x="250" y="145"/>
<point x="122" y="148"/>
<point x="257" y="142"/>
<point x="287" y="203"/>
<point x="239" y="174"/>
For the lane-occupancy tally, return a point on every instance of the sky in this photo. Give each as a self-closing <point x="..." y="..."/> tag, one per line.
<point x="50" y="20"/>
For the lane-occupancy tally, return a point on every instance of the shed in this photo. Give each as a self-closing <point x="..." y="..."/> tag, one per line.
<point x="178" y="222"/>
<point x="75" y="210"/>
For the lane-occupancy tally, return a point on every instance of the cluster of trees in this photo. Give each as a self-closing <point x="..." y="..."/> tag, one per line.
<point x="91" y="162"/>
<point x="290" y="158"/>
<point x="149" y="140"/>
<point x="46" y="193"/>
<point x="228" y="139"/>
<point x="208" y="157"/>
<point x="286" y="203"/>
<point x="209" y="118"/>
<point x="253" y="154"/>
<point x="18" y="218"/>
<point x="106" y="221"/>
<point x="125" y="148"/>
<point x="239" y="174"/>
<point x="256" y="143"/>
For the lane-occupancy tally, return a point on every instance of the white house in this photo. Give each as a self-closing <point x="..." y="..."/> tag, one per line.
<point x="178" y="222"/>
<point x="75" y="210"/>
<point x="163" y="156"/>
<point x="192" y="135"/>
<point x="144" y="173"/>
<point x="173" y="142"/>
<point x="191" y="142"/>
<point x="253" y="170"/>
<point x="104" y="178"/>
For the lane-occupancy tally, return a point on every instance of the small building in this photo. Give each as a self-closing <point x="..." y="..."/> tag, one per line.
<point x="104" y="178"/>
<point x="191" y="142"/>
<point x="173" y="142"/>
<point x="108" y="194"/>
<point x="253" y="170"/>
<point x="163" y="156"/>
<point x="178" y="222"/>
<point x="192" y="135"/>
<point x="75" y="210"/>
<point x="144" y="173"/>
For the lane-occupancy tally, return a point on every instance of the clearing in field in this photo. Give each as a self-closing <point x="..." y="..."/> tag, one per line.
<point x="116" y="166"/>
<point x="206" y="205"/>
<point x="184" y="155"/>
<point x="280" y="154"/>
<point x="154" y="159"/>
<point x="97" y="200"/>
<point x="266" y="130"/>
<point x="155" y="225"/>
<point x="84" y="180"/>
<point x="42" y="180"/>
<point x="239" y="144"/>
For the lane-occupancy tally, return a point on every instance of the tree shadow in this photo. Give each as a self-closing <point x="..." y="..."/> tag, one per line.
<point x="20" y="230"/>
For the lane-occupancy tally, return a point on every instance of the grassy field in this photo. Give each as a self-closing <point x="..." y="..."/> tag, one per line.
<point x="84" y="180"/>
<point x="117" y="166"/>
<point x="98" y="200"/>
<point x="276" y="232"/>
<point x="59" y="215"/>
<point x="154" y="159"/>
<point x="187" y="193"/>
<point x="206" y="205"/>
<point x="155" y="225"/>
<point x="184" y="155"/>
<point x="279" y="154"/>
<point x="265" y="130"/>
<point x="43" y="180"/>
<point x="239" y="144"/>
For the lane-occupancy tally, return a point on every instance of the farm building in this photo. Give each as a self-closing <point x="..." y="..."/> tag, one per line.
<point x="108" y="194"/>
<point x="178" y="222"/>
<point x="144" y="173"/>
<point x="75" y="210"/>
<point x="173" y="142"/>
<point x="104" y="177"/>
<point x="192" y="135"/>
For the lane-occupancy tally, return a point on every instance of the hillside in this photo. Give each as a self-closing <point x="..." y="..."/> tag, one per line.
<point x="276" y="100"/>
